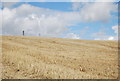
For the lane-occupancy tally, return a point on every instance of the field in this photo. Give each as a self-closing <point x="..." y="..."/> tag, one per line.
<point x="56" y="58"/>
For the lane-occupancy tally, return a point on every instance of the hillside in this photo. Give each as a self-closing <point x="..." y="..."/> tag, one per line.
<point x="55" y="58"/>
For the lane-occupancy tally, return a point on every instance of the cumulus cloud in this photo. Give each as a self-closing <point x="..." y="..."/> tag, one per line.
<point x="104" y="36"/>
<point x="115" y="28"/>
<point x="95" y="11"/>
<point x="36" y="20"/>
<point x="116" y="31"/>
<point x="50" y="23"/>
<point x="77" y="5"/>
<point x="10" y="0"/>
<point x="82" y="0"/>
<point x="0" y="22"/>
<point x="94" y="0"/>
<point x="0" y="5"/>
<point x="112" y="38"/>
<point x="60" y="0"/>
<point x="9" y="4"/>
<point x="72" y="36"/>
<point x="101" y="35"/>
<point x="35" y="0"/>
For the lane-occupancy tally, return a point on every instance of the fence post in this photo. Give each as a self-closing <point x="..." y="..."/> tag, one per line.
<point x="39" y="34"/>
<point x="23" y="32"/>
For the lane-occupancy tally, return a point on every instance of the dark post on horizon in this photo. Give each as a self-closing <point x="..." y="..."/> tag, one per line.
<point x="23" y="32"/>
<point x="39" y="34"/>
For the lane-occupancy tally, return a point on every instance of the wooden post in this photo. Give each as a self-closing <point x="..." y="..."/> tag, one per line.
<point x="23" y="32"/>
<point x="39" y="34"/>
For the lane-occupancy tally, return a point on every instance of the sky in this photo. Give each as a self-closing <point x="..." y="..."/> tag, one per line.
<point x="75" y="20"/>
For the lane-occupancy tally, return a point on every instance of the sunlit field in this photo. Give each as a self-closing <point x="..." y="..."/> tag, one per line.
<point x="56" y="58"/>
<point x="0" y="57"/>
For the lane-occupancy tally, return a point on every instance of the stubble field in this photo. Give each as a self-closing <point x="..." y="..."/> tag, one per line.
<point x="55" y="58"/>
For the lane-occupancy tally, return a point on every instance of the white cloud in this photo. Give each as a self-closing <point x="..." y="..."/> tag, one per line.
<point x="8" y="4"/>
<point x="60" y="0"/>
<point x="103" y="36"/>
<point x="82" y="0"/>
<point x="115" y="28"/>
<point x="35" y="20"/>
<point x="95" y="11"/>
<point x="77" y="5"/>
<point x="0" y="5"/>
<point x="106" y="0"/>
<point x="0" y="22"/>
<point x="100" y="36"/>
<point x="94" y="0"/>
<point x="72" y="36"/>
<point x="35" y="0"/>
<point x="116" y="31"/>
<point x="10" y="0"/>
<point x="111" y="38"/>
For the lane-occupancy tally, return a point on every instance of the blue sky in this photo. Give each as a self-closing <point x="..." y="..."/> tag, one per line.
<point x="95" y="21"/>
